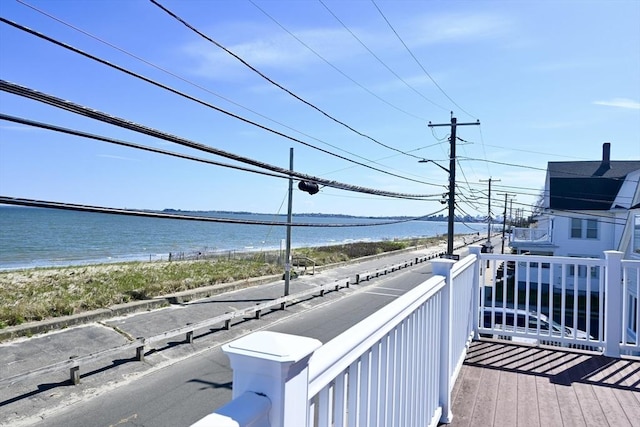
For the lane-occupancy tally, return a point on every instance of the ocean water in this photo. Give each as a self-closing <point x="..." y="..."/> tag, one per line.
<point x="34" y="237"/>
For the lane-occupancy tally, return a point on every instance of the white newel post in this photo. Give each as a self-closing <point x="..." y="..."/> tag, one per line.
<point x="276" y="365"/>
<point x="613" y="303"/>
<point x="475" y="296"/>
<point x="442" y="267"/>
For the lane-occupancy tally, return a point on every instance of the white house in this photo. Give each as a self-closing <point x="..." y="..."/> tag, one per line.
<point x="589" y="207"/>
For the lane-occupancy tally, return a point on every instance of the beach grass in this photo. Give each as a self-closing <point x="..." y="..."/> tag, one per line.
<point x="41" y="293"/>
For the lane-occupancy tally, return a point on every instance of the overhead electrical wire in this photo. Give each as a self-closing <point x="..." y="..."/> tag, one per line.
<point x="419" y="63"/>
<point x="335" y="67"/>
<point x="154" y="214"/>
<point x="565" y="174"/>
<point x="386" y="158"/>
<point x="103" y="117"/>
<point x="270" y="80"/>
<point x="68" y="131"/>
<point x="484" y="149"/>
<point x="607" y="219"/>
<point x="86" y="33"/>
<point x="82" y="134"/>
<point x="380" y="60"/>
<point x="571" y="198"/>
<point x="204" y="103"/>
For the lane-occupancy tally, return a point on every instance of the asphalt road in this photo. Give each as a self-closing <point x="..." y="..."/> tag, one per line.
<point x="181" y="393"/>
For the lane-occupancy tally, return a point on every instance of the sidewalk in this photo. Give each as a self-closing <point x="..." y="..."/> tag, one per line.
<point x="24" y="355"/>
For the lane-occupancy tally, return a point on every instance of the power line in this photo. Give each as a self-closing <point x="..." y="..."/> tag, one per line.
<point x="82" y="134"/>
<point x="270" y="80"/>
<point x="418" y="62"/>
<point x="199" y="101"/>
<point x="103" y="117"/>
<point x="195" y="84"/>
<point x="333" y="65"/>
<point x="380" y="60"/>
<point x="567" y="174"/>
<point x="154" y="214"/>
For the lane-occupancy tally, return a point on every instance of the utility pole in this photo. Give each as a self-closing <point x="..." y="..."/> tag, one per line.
<point x="504" y="216"/>
<point x="490" y="180"/>
<point x="287" y="256"/>
<point x="452" y="178"/>
<point x="511" y="218"/>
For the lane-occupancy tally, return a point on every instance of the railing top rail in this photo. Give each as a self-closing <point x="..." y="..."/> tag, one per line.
<point x="462" y="265"/>
<point x="331" y="359"/>
<point x="544" y="259"/>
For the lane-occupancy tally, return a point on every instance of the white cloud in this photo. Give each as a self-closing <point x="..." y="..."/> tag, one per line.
<point x="620" y="103"/>
<point x="268" y="51"/>
<point x="460" y="27"/>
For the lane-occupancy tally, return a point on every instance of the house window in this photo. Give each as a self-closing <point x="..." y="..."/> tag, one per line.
<point x="592" y="229"/>
<point x="584" y="228"/>
<point x="576" y="228"/>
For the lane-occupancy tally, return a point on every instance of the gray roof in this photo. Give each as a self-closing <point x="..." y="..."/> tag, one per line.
<point x="590" y="185"/>
<point x="592" y="169"/>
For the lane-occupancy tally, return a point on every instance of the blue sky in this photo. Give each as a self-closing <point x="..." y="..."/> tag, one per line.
<point x="548" y="80"/>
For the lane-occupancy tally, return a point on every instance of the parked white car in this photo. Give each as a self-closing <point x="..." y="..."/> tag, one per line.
<point x="501" y="319"/>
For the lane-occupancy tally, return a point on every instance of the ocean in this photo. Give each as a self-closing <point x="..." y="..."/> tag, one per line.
<point x="35" y="237"/>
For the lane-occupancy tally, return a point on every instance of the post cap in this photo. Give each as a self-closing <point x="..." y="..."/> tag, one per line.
<point x="274" y="346"/>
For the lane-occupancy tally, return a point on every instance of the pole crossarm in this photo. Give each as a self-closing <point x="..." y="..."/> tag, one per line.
<point x="431" y="125"/>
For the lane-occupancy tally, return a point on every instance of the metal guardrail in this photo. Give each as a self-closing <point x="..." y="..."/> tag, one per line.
<point x="139" y="344"/>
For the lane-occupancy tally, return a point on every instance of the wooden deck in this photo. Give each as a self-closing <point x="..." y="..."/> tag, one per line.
<point x="510" y="385"/>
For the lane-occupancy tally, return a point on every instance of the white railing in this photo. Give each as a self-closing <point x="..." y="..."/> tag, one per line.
<point x="398" y="366"/>
<point x="539" y="235"/>
<point x="537" y="300"/>
<point x="395" y="368"/>
<point x="631" y="307"/>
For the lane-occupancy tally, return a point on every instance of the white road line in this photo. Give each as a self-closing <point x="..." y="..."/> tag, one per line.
<point x="383" y="294"/>
<point x="390" y="289"/>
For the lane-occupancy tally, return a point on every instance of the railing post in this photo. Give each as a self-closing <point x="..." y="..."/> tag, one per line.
<point x="275" y="365"/>
<point x="613" y="303"/>
<point x="475" y="296"/>
<point x="442" y="267"/>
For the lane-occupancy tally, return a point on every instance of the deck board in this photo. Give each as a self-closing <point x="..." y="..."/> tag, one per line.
<point x="504" y="384"/>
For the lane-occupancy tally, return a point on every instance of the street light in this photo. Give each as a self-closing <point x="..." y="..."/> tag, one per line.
<point x="437" y="164"/>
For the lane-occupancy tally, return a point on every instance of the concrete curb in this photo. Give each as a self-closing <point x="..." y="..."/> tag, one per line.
<point x="220" y="288"/>
<point x="32" y="328"/>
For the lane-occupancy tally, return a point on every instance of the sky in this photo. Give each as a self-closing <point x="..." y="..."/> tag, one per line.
<point x="545" y="80"/>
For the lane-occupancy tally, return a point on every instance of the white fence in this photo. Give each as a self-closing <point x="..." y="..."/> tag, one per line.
<point x="531" y="235"/>
<point x="398" y="366"/>
<point x="630" y="307"/>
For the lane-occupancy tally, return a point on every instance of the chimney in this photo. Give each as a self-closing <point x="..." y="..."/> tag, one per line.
<point x="606" y="154"/>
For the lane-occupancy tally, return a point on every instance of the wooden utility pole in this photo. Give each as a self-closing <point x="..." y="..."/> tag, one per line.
<point x="287" y="255"/>
<point x="490" y="180"/>
<point x="452" y="178"/>
<point x="504" y="217"/>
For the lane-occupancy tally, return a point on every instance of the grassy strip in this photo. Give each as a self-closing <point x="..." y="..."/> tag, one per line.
<point x="41" y="293"/>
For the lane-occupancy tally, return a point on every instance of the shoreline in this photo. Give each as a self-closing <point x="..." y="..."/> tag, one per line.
<point x="192" y="254"/>
<point x="41" y="294"/>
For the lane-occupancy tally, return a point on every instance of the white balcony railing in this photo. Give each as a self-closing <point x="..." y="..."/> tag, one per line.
<point x="398" y="366"/>
<point x="532" y="235"/>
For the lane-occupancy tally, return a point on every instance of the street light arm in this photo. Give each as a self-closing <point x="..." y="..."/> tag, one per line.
<point x="437" y="164"/>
